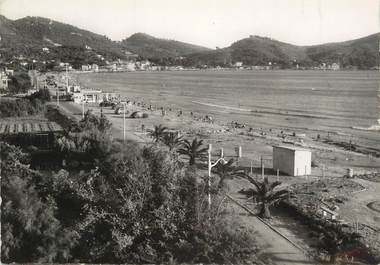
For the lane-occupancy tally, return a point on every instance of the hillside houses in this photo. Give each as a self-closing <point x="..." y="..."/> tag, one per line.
<point x="92" y="67"/>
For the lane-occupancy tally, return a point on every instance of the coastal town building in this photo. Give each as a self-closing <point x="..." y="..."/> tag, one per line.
<point x="95" y="68"/>
<point x="88" y="96"/>
<point x="130" y="66"/>
<point x="110" y="96"/>
<point x="292" y="160"/>
<point x="73" y="89"/>
<point x="3" y="80"/>
<point x="86" y="67"/>
<point x="335" y="67"/>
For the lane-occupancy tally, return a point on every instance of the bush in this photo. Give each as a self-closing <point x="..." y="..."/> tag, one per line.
<point x="31" y="231"/>
<point x="19" y="83"/>
<point x="43" y="95"/>
<point x="20" y="107"/>
<point x="89" y="140"/>
<point x="141" y="206"/>
<point x="223" y="242"/>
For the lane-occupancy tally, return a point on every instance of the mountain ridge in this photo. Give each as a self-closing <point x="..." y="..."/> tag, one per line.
<point x="362" y="53"/>
<point x="29" y="35"/>
<point x="158" y="48"/>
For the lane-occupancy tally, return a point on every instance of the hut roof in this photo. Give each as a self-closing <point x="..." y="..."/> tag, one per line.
<point x="28" y="127"/>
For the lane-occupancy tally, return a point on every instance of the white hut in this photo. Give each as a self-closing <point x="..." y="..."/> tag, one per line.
<point x="292" y="160"/>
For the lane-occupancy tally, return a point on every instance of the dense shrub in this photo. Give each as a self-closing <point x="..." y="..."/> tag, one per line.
<point x="57" y="115"/>
<point x="30" y="229"/>
<point x="90" y="136"/>
<point x="19" y="83"/>
<point x="20" y="107"/>
<point x="140" y="205"/>
<point x="42" y="94"/>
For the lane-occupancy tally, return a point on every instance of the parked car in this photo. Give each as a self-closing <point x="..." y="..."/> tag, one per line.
<point x="107" y="104"/>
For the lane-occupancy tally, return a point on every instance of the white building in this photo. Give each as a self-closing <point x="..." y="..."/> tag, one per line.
<point x="335" y="67"/>
<point x="95" y="68"/>
<point x="73" y="89"/>
<point x="3" y="81"/>
<point x="131" y="66"/>
<point x="292" y="160"/>
<point x="88" y="96"/>
<point x="86" y="67"/>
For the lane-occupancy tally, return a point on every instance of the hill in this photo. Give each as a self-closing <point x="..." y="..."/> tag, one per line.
<point x="159" y="49"/>
<point x="28" y="36"/>
<point x="361" y="53"/>
<point x="254" y="50"/>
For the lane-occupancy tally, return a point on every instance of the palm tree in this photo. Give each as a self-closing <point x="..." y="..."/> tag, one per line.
<point x="334" y="242"/>
<point x="158" y="132"/>
<point x="265" y="193"/>
<point x="172" y="140"/>
<point x="225" y="171"/>
<point x="193" y="150"/>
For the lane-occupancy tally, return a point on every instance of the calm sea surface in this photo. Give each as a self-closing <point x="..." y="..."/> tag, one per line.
<point x="318" y="100"/>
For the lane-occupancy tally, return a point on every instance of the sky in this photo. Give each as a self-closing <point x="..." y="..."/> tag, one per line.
<point x="211" y="23"/>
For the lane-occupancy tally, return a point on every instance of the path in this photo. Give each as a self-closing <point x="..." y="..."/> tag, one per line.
<point x="277" y="248"/>
<point x="358" y="203"/>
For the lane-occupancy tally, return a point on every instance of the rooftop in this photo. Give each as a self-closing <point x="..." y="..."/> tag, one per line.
<point x="290" y="147"/>
<point x="89" y="91"/>
<point x="8" y="128"/>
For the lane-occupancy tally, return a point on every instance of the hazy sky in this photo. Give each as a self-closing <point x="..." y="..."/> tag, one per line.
<point x="211" y="22"/>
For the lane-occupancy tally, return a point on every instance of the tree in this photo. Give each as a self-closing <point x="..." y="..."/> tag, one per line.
<point x="92" y="121"/>
<point x="334" y="242"/>
<point x="133" y="210"/>
<point x="158" y="132"/>
<point x="31" y="231"/>
<point x="90" y="137"/>
<point x="265" y="193"/>
<point x="19" y="83"/>
<point x="193" y="150"/>
<point x="172" y="140"/>
<point x="42" y="94"/>
<point x="225" y="171"/>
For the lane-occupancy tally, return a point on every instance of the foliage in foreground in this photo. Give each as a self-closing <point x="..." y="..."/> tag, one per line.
<point x="140" y="205"/>
<point x="336" y="242"/>
<point x="30" y="229"/>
